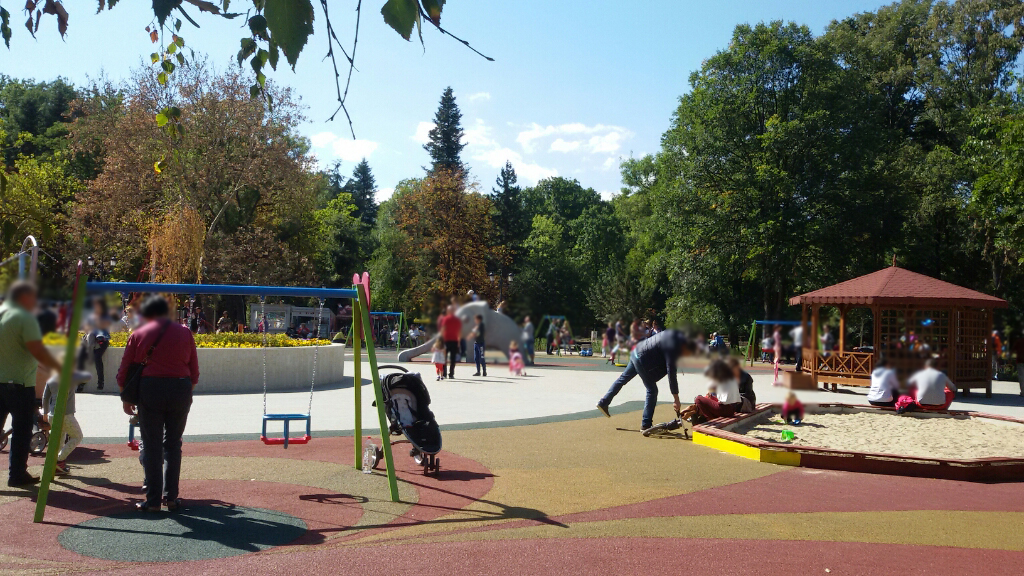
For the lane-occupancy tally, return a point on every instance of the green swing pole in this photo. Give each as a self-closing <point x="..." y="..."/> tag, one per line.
<point x="371" y="355"/>
<point x="357" y="378"/>
<point x="57" y="426"/>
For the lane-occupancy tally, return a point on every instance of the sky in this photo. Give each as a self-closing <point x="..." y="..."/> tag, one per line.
<point x="576" y="85"/>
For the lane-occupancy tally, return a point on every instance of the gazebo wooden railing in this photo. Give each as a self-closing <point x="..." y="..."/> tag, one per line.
<point x="839" y="367"/>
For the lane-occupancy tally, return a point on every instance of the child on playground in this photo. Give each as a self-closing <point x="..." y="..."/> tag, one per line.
<point x="438" y="358"/>
<point x="71" y="427"/>
<point x="515" y="359"/>
<point x="792" y="409"/>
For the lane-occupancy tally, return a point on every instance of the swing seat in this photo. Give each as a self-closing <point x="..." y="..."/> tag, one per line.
<point x="285" y="440"/>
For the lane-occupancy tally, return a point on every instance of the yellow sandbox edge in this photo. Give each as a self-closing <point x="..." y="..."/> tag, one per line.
<point x="736" y="448"/>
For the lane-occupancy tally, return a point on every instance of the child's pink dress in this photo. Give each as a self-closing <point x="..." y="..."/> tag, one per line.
<point x="515" y="363"/>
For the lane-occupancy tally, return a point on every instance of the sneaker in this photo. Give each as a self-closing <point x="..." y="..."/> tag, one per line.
<point x="99" y="386"/>
<point x="438" y="378"/>
<point x="62" y="468"/>
<point x="23" y="479"/>
<point x="476" y="374"/>
<point x="604" y="410"/>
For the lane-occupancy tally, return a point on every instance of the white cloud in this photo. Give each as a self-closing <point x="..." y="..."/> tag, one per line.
<point x="422" y="134"/>
<point x="482" y="147"/>
<point x="480" y="97"/>
<point x="344" y="148"/>
<point x="560" y="145"/>
<point x="604" y="139"/>
<point x="610" y="162"/>
<point x="384" y="194"/>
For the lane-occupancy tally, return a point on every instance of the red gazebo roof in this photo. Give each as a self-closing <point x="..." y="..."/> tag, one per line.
<point x="894" y="285"/>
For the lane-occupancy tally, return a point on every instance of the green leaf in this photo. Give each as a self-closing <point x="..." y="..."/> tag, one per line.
<point x="401" y="15"/>
<point x="433" y="10"/>
<point x="177" y="25"/>
<point x="254" y="90"/>
<point x="174" y="112"/>
<point x="168" y="66"/>
<point x="162" y="9"/>
<point x="181" y="58"/>
<point x="248" y="47"/>
<point x="179" y="41"/>
<point x="275" y="53"/>
<point x="261" y="79"/>
<point x="290" y="23"/>
<point x="162" y="78"/>
<point x="258" y="26"/>
<point x="161" y="119"/>
<point x="171" y="49"/>
<point x="154" y="57"/>
<point x="5" y="26"/>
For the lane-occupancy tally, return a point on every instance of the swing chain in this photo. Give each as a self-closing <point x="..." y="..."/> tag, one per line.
<point x="263" y="324"/>
<point x="316" y="349"/>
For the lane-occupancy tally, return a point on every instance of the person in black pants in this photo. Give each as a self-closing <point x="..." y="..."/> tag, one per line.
<point x="21" y="352"/>
<point x="165" y="397"/>
<point x="451" y="332"/>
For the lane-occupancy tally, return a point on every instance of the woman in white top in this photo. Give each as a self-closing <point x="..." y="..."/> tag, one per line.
<point x="722" y="401"/>
<point x="884" y="385"/>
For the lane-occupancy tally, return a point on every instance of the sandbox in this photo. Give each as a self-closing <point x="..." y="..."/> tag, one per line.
<point x="951" y="444"/>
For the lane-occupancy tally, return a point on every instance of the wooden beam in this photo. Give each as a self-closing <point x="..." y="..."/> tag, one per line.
<point x="842" y="328"/>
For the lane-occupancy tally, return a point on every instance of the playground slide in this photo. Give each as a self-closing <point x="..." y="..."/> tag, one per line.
<point x="500" y="330"/>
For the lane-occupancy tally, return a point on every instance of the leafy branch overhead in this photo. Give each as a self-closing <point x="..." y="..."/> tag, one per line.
<point x="275" y="28"/>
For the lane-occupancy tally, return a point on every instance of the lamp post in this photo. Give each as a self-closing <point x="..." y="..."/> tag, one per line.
<point x="97" y="269"/>
<point x="501" y="284"/>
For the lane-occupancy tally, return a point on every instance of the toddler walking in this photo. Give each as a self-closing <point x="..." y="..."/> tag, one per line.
<point x="438" y="357"/>
<point x="515" y="360"/>
<point x="71" y="427"/>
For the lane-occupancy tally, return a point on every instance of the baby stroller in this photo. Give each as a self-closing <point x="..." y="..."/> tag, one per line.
<point x="408" y="408"/>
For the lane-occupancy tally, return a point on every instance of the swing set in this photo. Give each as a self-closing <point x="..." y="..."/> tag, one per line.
<point x="360" y="297"/>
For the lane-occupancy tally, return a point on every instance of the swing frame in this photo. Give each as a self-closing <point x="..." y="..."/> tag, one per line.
<point x="358" y="294"/>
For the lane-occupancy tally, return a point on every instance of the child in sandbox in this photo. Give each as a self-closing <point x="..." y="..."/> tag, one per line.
<point x="723" y="398"/>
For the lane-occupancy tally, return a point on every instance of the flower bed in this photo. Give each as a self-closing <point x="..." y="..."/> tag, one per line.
<point x="224" y="340"/>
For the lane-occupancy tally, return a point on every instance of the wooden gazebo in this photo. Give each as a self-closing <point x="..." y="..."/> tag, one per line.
<point x="914" y="316"/>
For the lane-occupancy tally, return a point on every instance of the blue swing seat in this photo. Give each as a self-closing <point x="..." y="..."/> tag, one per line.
<point x="287" y="419"/>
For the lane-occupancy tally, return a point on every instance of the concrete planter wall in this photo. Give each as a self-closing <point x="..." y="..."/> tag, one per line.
<point x="240" y="370"/>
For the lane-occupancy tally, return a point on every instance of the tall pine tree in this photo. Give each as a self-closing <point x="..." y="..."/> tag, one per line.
<point x="363" y="188"/>
<point x="445" y="144"/>
<point x="511" y="221"/>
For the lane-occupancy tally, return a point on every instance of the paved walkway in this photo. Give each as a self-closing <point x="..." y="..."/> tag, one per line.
<point x="558" y="386"/>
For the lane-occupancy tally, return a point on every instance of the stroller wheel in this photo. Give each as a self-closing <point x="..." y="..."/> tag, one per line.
<point x="37" y="445"/>
<point x="419" y="458"/>
<point x="378" y="455"/>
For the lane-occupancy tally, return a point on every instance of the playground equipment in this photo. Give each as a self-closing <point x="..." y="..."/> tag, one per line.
<point x="29" y="247"/>
<point x="753" y="344"/>
<point x="359" y="295"/>
<point x="500" y="330"/>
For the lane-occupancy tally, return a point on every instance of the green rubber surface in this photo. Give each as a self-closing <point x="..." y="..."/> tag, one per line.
<point x="192" y="533"/>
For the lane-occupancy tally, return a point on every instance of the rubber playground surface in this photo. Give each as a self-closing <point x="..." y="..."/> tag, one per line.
<point x="573" y="495"/>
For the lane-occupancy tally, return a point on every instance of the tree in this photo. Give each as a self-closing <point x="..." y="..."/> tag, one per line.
<point x="445" y="139"/>
<point x="447" y="230"/>
<point x="34" y="116"/>
<point x="274" y="28"/>
<point x="363" y="189"/>
<point x="236" y="163"/>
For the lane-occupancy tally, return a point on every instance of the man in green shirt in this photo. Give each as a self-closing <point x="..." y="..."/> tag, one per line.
<point x="21" y="350"/>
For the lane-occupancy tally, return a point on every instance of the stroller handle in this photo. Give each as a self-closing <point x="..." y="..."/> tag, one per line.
<point x="393" y="367"/>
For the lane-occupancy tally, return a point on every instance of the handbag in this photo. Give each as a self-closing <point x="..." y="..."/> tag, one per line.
<point x="130" y="392"/>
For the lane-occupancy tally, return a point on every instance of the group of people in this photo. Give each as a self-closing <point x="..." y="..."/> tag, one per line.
<point x="616" y="337"/>
<point x="926" y="389"/>
<point x="731" y="389"/>
<point x="164" y="349"/>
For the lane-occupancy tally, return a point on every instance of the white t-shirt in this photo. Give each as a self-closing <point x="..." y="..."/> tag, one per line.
<point x="883" y="385"/>
<point x="798" y="336"/>
<point x="931" y="386"/>
<point x="437" y="357"/>
<point x="728" y="392"/>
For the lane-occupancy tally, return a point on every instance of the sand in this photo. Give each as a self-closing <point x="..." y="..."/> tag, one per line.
<point x="960" y="437"/>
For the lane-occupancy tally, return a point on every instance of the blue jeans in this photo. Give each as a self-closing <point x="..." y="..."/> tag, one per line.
<point x="632" y="370"/>
<point x="478" y="355"/>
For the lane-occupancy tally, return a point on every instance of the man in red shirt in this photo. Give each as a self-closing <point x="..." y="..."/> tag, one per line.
<point x="451" y="333"/>
<point x="165" y="397"/>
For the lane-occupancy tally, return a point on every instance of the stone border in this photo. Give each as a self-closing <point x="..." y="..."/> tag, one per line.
<point x="718" y="434"/>
<point x="240" y="370"/>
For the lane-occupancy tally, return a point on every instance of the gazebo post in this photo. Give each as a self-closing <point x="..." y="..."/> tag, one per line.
<point x="842" y="329"/>
<point x="953" y="347"/>
<point x="804" y="332"/>
<point x="814" y="343"/>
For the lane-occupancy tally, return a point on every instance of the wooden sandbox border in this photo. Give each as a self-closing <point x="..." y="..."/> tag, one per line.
<point x="717" y="434"/>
